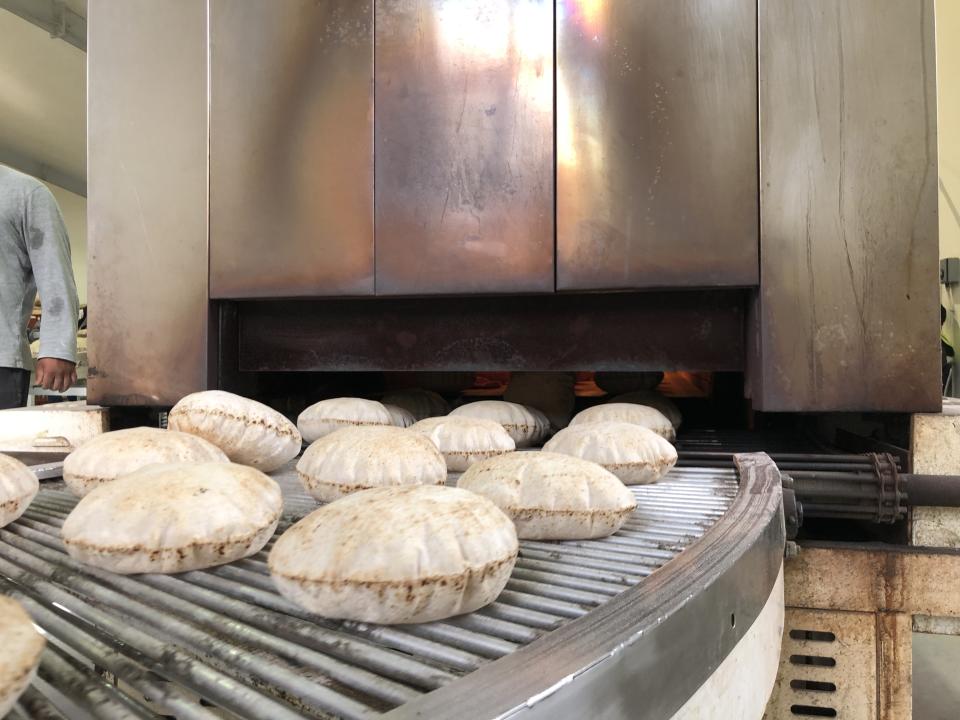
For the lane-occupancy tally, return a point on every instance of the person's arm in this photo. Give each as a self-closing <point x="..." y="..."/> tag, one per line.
<point x="49" y="249"/>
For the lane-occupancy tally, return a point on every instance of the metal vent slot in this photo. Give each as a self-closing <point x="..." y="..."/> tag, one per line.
<point x="816" y="660"/>
<point x="814" y="685"/>
<point x="811" y="711"/>
<point x="815" y="635"/>
<point x="225" y="636"/>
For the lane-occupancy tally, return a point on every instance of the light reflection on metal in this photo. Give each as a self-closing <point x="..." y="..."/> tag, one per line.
<point x="566" y="143"/>
<point x="291" y="148"/>
<point x="464" y="146"/>
<point x="587" y="14"/>
<point x="656" y="144"/>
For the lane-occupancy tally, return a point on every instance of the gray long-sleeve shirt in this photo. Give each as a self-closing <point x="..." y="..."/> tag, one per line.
<point x="34" y="255"/>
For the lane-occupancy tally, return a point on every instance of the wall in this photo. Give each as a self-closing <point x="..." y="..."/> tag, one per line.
<point x="948" y="99"/>
<point x="948" y="79"/>
<point x="74" y="209"/>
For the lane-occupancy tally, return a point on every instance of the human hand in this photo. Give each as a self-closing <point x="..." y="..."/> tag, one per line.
<point x="55" y="374"/>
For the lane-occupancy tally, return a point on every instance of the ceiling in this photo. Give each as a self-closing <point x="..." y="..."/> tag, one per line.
<point x="78" y="6"/>
<point x="43" y="102"/>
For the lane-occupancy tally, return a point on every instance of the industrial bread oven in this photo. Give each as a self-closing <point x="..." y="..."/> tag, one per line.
<point x="516" y="185"/>
<point x="522" y="185"/>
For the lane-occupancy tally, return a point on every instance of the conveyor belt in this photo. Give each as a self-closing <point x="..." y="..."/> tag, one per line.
<point x="137" y="646"/>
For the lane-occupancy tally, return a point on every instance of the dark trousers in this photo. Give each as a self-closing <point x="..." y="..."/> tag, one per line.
<point x="14" y="386"/>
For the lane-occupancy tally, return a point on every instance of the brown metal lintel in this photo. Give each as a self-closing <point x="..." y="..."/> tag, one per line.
<point x="604" y="331"/>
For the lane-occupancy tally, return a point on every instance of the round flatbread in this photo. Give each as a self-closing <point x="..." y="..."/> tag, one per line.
<point x="327" y="416"/>
<point x="360" y="458"/>
<point x="641" y="415"/>
<point x="111" y="455"/>
<point x="634" y="454"/>
<point x="397" y="555"/>
<point x="551" y="496"/>
<point x="173" y="518"/>
<point x="249" y="432"/>
<point x="654" y="400"/>
<point x="553" y="393"/>
<point x="18" y="487"/>
<point x="401" y="417"/>
<point x="464" y="440"/>
<point x="419" y="403"/>
<point x="525" y="425"/>
<point x="22" y="646"/>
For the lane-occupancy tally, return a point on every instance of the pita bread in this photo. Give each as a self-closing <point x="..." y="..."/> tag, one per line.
<point x="328" y="416"/>
<point x="22" y="646"/>
<point x="18" y="487"/>
<point x="552" y="393"/>
<point x="653" y="399"/>
<point x="464" y="440"/>
<point x="250" y="433"/>
<point x="401" y="417"/>
<point x="525" y="425"/>
<point x="173" y="518"/>
<point x="397" y="555"/>
<point x="641" y="415"/>
<point x="551" y="496"/>
<point x="359" y="458"/>
<point x="110" y="455"/>
<point x="634" y="454"/>
<point x="419" y="403"/>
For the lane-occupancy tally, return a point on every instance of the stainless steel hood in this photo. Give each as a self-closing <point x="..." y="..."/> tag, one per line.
<point x="781" y="154"/>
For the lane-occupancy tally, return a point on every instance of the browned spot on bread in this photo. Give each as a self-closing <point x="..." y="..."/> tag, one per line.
<point x="16" y="502"/>
<point x="178" y="416"/>
<point x="458" y="580"/>
<point x="343" y="488"/>
<point x="536" y="513"/>
<point x="219" y="546"/>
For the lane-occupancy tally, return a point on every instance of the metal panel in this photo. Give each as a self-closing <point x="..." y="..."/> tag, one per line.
<point x="656" y="144"/>
<point x="147" y="141"/>
<point x="464" y="144"/>
<point x="291" y="148"/>
<point x="846" y="645"/>
<point x="848" y="306"/>
<point x="684" y="331"/>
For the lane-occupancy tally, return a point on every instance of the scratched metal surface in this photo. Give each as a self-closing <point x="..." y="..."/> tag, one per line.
<point x="291" y="148"/>
<point x="464" y="146"/>
<point x="147" y="139"/>
<point x="848" y="305"/>
<point x="656" y="144"/>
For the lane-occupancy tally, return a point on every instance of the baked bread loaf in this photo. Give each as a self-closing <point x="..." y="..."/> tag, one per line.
<point x="634" y="454"/>
<point x="653" y="399"/>
<point x="360" y="458"/>
<point x="463" y="440"/>
<point x="249" y="432"/>
<point x="18" y="487"/>
<point x="328" y="416"/>
<point x="552" y="393"/>
<point x="419" y="403"/>
<point x="525" y="425"/>
<point x="110" y="455"/>
<point x="641" y="415"/>
<point x="173" y="518"/>
<point x="397" y="555"/>
<point x="401" y="416"/>
<point x="551" y="496"/>
<point x="22" y="646"/>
